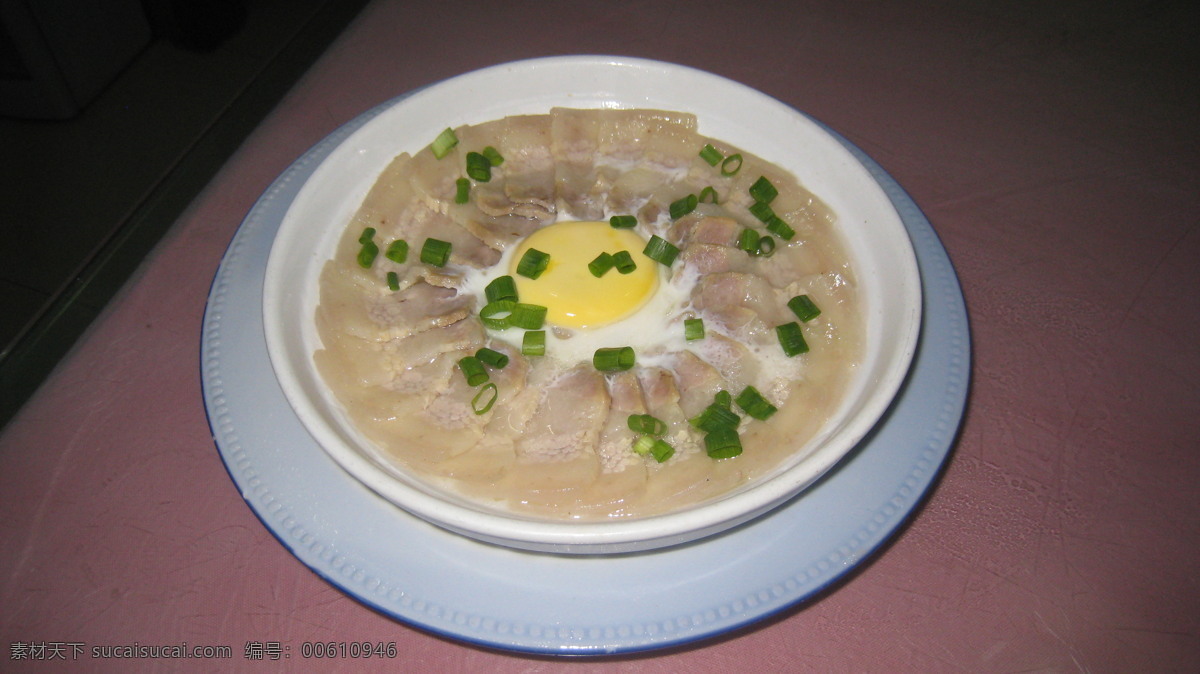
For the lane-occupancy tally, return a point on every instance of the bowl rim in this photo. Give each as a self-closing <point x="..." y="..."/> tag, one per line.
<point x="419" y="498"/>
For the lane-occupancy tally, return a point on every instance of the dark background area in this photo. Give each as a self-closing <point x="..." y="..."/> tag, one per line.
<point x="113" y="117"/>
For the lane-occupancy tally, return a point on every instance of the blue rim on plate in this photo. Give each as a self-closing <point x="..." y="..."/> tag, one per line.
<point x="566" y="605"/>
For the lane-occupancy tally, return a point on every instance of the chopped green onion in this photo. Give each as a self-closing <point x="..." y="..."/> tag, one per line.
<point x="693" y="329"/>
<point x="777" y="226"/>
<point x="462" y="191"/>
<point x="642" y="445"/>
<point x="723" y="398"/>
<point x="495" y="315"/>
<point x="600" y="266"/>
<point x="804" y="308"/>
<point x="366" y="254"/>
<point x="501" y="288"/>
<point x="660" y="250"/>
<point x="533" y="263"/>
<point x="646" y="423"/>
<point x="393" y="281"/>
<point x="723" y="443"/>
<point x="623" y="261"/>
<point x="711" y="154"/>
<point x="623" y="221"/>
<point x="493" y="156"/>
<point x="368" y="234"/>
<point x="762" y="211"/>
<point x="762" y="190"/>
<point x="715" y="416"/>
<point x="445" y="142"/>
<point x="435" y="252"/>
<point x="479" y="167"/>
<point x="661" y="451"/>
<point x="492" y="358"/>
<point x="731" y="165"/>
<point x="791" y="339"/>
<point x="527" y="316"/>
<point x="656" y="447"/>
<point x="766" y="247"/>
<point x="473" y="370"/>
<point x="534" y="343"/>
<point x="754" y="404"/>
<point x="748" y="240"/>
<point x="397" y="251"/>
<point x="708" y="195"/>
<point x="613" y="359"/>
<point x="683" y="206"/>
<point x="490" y="387"/>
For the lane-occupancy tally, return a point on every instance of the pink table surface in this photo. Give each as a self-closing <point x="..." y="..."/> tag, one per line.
<point x="1055" y="153"/>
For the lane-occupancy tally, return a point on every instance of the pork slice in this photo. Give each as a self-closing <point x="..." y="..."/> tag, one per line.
<point x="495" y="226"/>
<point x="388" y="197"/>
<point x="791" y="263"/>
<point x="665" y="140"/>
<point x="422" y="347"/>
<point x="630" y="189"/>
<point x="734" y="320"/>
<point x="493" y="454"/>
<point x="786" y="270"/>
<point x="417" y="308"/>
<point x="698" y="382"/>
<point x="709" y="258"/>
<point x="350" y="364"/>
<point x="423" y="379"/>
<point x="454" y="408"/>
<point x="698" y="228"/>
<point x="616" y="439"/>
<point x="433" y="178"/>
<point x="645" y="130"/>
<point x="522" y="140"/>
<point x="574" y="144"/>
<point x="495" y="231"/>
<point x="418" y="426"/>
<point x="448" y="419"/>
<point x="345" y="297"/>
<point x="734" y="361"/>
<point x="793" y="202"/>
<point x="523" y="185"/>
<point x="529" y="196"/>
<point x="567" y="422"/>
<point x="662" y="401"/>
<point x="626" y="393"/>
<point x="496" y="452"/>
<point x="658" y="204"/>
<point x="745" y="305"/>
<point x="507" y="415"/>
<point x="422" y="221"/>
<point x="437" y="276"/>
<point x="593" y="149"/>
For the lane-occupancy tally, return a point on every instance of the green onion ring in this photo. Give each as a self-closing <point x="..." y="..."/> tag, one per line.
<point x="489" y="387"/>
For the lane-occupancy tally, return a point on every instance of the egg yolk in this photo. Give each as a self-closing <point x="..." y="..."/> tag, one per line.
<point x="573" y="297"/>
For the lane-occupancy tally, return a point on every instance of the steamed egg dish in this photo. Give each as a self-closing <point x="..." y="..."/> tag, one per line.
<point x="587" y="315"/>
<point x="642" y="308"/>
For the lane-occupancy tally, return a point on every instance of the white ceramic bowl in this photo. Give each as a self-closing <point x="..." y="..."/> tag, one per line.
<point x="884" y="263"/>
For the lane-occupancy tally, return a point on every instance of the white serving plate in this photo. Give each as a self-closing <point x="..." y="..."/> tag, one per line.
<point x="528" y="602"/>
